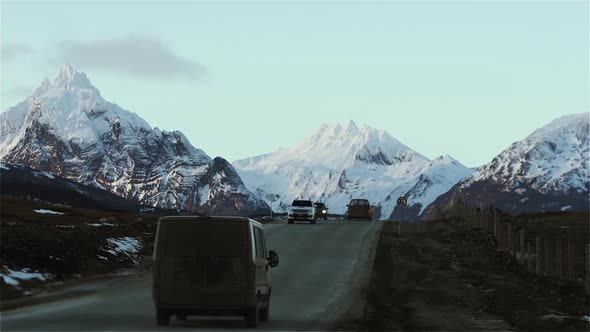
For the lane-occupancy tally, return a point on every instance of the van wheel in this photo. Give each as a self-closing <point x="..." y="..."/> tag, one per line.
<point x="252" y="316"/>
<point x="163" y="317"/>
<point x="264" y="313"/>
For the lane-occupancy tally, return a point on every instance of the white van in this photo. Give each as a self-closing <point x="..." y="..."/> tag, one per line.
<point x="211" y="266"/>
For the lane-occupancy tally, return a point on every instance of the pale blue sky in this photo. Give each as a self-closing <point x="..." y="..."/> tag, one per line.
<point x="245" y="78"/>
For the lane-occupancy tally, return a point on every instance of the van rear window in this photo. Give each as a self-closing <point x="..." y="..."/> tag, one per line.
<point x="206" y="239"/>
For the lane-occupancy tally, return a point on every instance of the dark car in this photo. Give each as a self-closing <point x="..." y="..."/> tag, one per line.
<point x="321" y="211"/>
<point x="359" y="209"/>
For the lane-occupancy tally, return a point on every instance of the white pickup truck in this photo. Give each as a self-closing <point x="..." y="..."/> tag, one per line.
<point x="301" y="209"/>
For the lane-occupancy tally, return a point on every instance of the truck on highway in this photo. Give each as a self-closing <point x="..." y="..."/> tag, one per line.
<point x="301" y="209"/>
<point x="211" y="266"/>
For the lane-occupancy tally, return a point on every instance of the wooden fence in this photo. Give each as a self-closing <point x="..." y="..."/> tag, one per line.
<point x="559" y="256"/>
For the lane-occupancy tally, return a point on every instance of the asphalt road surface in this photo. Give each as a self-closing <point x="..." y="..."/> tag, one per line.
<point x="323" y="269"/>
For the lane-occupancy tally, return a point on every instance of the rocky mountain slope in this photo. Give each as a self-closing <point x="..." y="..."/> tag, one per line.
<point x="20" y="181"/>
<point x="68" y="129"/>
<point x="546" y="171"/>
<point x="336" y="164"/>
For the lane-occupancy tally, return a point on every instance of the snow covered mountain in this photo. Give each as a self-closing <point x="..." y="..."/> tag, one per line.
<point x="336" y="164"/>
<point x="547" y="171"/>
<point x="67" y="128"/>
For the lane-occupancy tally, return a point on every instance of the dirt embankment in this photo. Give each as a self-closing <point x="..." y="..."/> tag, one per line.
<point x="44" y="245"/>
<point x="444" y="276"/>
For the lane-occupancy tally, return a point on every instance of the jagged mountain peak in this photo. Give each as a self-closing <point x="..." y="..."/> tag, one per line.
<point x="564" y="122"/>
<point x="338" y="147"/>
<point x="444" y="159"/>
<point x="72" y="107"/>
<point x="351" y="127"/>
<point x="68" y="77"/>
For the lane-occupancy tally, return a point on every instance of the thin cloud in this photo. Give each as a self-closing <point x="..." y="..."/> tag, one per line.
<point x="12" y="51"/>
<point x="136" y="56"/>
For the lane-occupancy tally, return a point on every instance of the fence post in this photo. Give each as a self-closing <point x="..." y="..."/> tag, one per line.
<point x="501" y="235"/>
<point x="588" y="268"/>
<point x="547" y="263"/>
<point x="529" y="257"/>
<point x="558" y="262"/>
<point x="538" y="255"/>
<point x="510" y="239"/>
<point x="521" y="244"/>
<point x="507" y="230"/>
<point x="570" y="260"/>
<point x="495" y="224"/>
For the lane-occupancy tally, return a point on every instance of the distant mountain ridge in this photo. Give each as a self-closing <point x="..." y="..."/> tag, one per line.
<point x="547" y="171"/>
<point x="336" y="164"/>
<point x="67" y="128"/>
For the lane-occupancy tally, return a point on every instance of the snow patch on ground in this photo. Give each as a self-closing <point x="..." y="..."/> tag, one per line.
<point x="44" y="211"/>
<point x="48" y="175"/>
<point x="99" y="225"/>
<point x="127" y="246"/>
<point x="555" y="316"/>
<point x="14" y="277"/>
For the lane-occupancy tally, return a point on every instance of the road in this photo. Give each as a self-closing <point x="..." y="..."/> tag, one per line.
<point x="323" y="269"/>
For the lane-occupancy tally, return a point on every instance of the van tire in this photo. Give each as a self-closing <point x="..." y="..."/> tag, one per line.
<point x="162" y="317"/>
<point x="265" y="313"/>
<point x="252" y="316"/>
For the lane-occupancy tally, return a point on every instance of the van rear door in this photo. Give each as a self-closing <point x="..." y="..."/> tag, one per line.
<point x="198" y="262"/>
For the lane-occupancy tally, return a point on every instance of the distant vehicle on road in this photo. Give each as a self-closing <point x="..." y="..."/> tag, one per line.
<point x="301" y="209"/>
<point x="210" y="266"/>
<point x="359" y="209"/>
<point x="321" y="211"/>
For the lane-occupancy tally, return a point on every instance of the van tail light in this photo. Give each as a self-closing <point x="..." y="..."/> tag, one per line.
<point x="370" y="211"/>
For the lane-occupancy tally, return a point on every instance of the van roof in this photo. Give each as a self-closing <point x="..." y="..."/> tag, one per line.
<point x="210" y="218"/>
